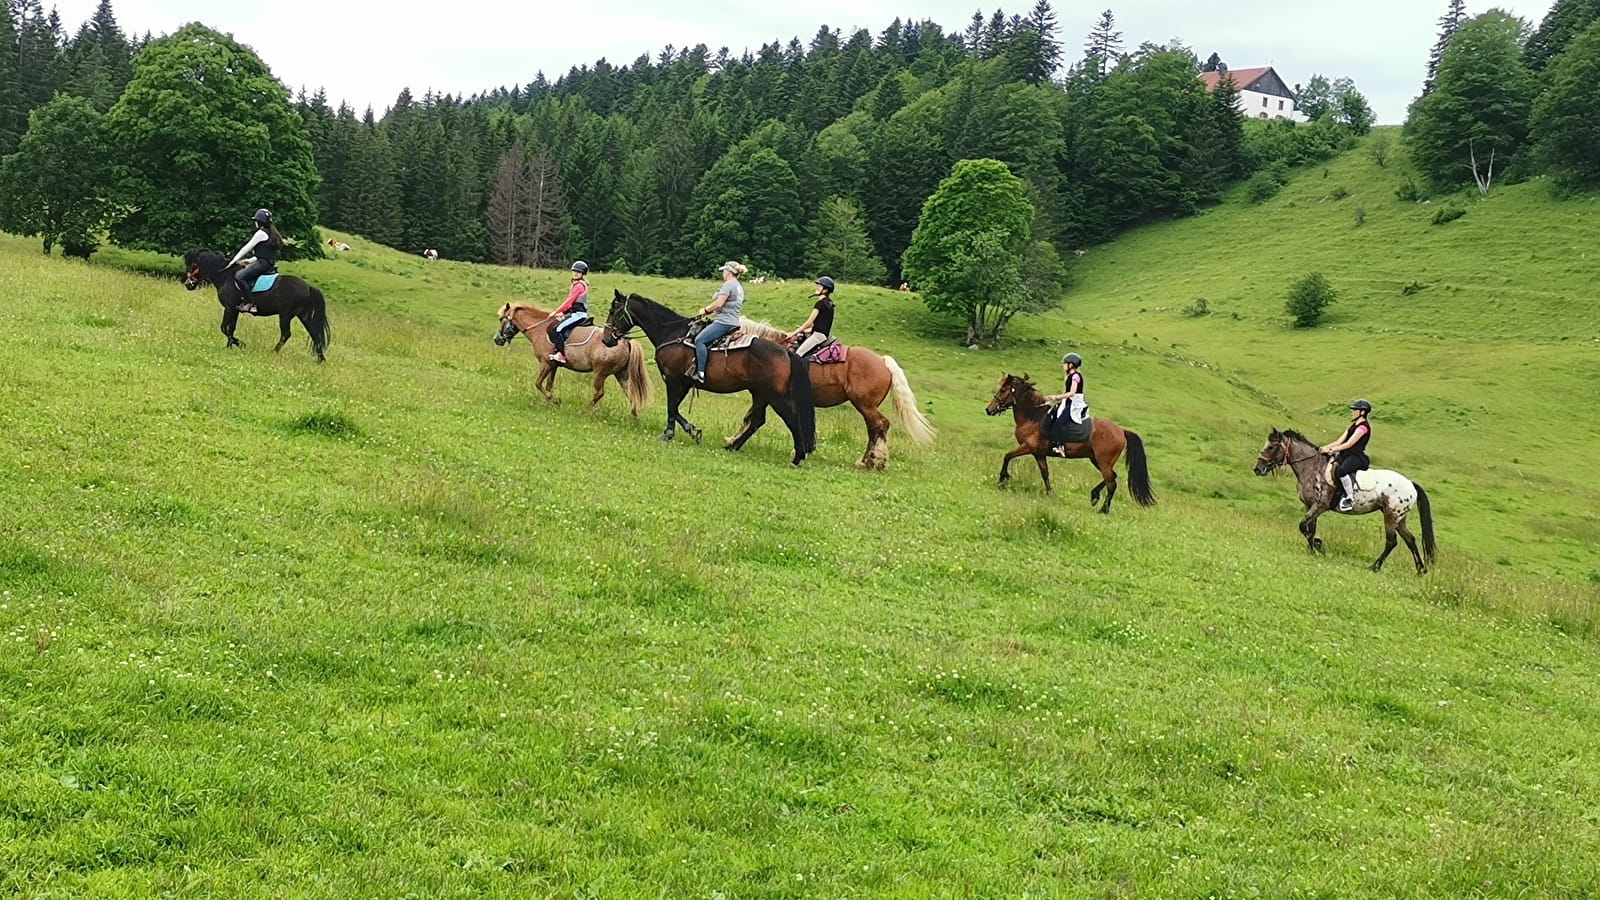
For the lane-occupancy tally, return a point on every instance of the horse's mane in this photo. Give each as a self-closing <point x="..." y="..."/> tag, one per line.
<point x="1293" y="435"/>
<point x="1027" y="397"/>
<point x="760" y="329"/>
<point x="529" y="307"/>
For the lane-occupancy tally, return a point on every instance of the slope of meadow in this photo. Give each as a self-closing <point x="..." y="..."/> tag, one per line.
<point x="393" y="626"/>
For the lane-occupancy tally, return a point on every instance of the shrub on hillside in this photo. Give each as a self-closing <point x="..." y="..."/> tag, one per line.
<point x="1361" y="216"/>
<point x="1408" y="191"/>
<point x="1308" y="298"/>
<point x="1338" y="193"/>
<point x="1198" y="308"/>
<point x="1448" y="214"/>
<point x="1265" y="184"/>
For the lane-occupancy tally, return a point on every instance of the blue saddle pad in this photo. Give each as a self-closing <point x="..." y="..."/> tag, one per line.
<point x="265" y="282"/>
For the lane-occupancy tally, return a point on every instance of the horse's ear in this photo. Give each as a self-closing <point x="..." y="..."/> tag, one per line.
<point x="1275" y="434"/>
<point x="618" y="293"/>
<point x="1026" y="377"/>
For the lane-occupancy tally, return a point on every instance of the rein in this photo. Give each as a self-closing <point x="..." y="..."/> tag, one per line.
<point x="1291" y="462"/>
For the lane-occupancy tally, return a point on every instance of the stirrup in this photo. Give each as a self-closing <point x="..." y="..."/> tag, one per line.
<point x="1346" y="504"/>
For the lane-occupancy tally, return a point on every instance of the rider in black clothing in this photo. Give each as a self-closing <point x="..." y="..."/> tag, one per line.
<point x="265" y="242"/>
<point x="1352" y="450"/>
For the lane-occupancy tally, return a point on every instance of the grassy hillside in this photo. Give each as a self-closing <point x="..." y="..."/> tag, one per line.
<point x="391" y="625"/>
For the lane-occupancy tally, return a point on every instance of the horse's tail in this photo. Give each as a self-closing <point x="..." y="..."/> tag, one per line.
<point x="317" y="319"/>
<point x="637" y="383"/>
<point x="1138" y="471"/>
<point x="805" y="406"/>
<point x="905" y="405"/>
<point x="1429" y="547"/>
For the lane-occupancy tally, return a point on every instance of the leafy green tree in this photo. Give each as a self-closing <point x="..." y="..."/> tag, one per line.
<point x="206" y="135"/>
<point x="1566" y="117"/>
<point x="967" y="255"/>
<point x="1351" y="109"/>
<point x="1308" y="299"/>
<point x="1561" y="25"/>
<point x="747" y="207"/>
<point x="839" y="246"/>
<point x="1479" y="107"/>
<point x="1316" y="98"/>
<point x="55" y="186"/>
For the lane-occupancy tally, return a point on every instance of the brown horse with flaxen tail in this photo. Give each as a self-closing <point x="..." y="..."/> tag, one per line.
<point x="1106" y="444"/>
<point x="865" y="379"/>
<point x="585" y="353"/>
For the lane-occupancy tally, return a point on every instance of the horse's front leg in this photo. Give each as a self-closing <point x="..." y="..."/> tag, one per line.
<point x="1005" y="462"/>
<point x="230" y="319"/>
<point x="283" y="331"/>
<point x="1308" y="527"/>
<point x="1044" y="469"/>
<point x="546" y="382"/>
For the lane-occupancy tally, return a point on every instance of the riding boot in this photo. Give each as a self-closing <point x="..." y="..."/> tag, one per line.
<point x="1348" y="501"/>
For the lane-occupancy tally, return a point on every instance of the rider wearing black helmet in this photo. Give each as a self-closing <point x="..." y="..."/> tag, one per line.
<point x="265" y="242"/>
<point x="819" y="326"/>
<point x="1352" y="450"/>
<point x="1073" y="401"/>
<point x="570" y="313"/>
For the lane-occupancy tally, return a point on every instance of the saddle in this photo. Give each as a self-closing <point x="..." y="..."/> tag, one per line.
<point x="1062" y="430"/>
<point x="264" y="282"/>
<point x="829" y="351"/>
<point x="733" y="340"/>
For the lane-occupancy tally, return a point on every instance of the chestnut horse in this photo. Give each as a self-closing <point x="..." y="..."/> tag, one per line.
<point x="774" y="376"/>
<point x="584" y="354"/>
<point x="1106" y="443"/>
<point x="866" y="380"/>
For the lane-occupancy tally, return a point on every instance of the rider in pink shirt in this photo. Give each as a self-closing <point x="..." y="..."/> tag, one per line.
<point x="570" y="313"/>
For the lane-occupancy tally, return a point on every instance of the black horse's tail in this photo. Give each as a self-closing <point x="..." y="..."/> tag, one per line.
<point x="1429" y="547"/>
<point x="805" y="406"/>
<point x="1138" y="471"/>
<point x="317" y="320"/>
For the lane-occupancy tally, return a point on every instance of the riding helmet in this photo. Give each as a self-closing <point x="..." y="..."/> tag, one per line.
<point x="825" y="283"/>
<point x="262" y="217"/>
<point x="581" y="267"/>
<point x="1362" y="405"/>
<point x="1073" y="358"/>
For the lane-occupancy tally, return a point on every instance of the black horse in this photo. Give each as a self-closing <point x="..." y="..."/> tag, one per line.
<point x="773" y="374"/>
<point x="290" y="298"/>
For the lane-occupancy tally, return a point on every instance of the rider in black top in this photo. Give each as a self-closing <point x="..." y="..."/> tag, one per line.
<point x="819" y="325"/>
<point x="1352" y="450"/>
<point x="265" y="243"/>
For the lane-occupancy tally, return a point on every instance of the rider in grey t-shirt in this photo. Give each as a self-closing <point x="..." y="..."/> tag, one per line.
<point x="727" y="303"/>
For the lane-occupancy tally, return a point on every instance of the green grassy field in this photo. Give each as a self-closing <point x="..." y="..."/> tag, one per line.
<point x="393" y="626"/>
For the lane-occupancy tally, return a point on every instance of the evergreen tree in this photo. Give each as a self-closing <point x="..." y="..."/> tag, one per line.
<point x="902" y="166"/>
<point x="193" y="179"/>
<point x="369" y="195"/>
<point x="1453" y="16"/>
<point x="1213" y="63"/>
<point x="1104" y="46"/>
<point x="1479" y="106"/>
<point x="966" y="255"/>
<point x="838" y="245"/>
<point x="1566" y="116"/>
<point x="56" y="185"/>
<point x="13" y="114"/>
<point x="38" y="55"/>
<point x="639" y="213"/>
<point x="1561" y="25"/>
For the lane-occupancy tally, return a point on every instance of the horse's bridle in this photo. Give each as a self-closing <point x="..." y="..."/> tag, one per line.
<point x="1286" y="461"/>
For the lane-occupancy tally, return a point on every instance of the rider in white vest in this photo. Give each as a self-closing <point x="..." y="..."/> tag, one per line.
<point x="1072" y="402"/>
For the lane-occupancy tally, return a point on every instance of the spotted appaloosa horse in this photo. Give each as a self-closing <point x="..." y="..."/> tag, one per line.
<point x="1376" y="490"/>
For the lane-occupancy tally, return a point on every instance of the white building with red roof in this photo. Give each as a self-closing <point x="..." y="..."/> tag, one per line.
<point x="1262" y="94"/>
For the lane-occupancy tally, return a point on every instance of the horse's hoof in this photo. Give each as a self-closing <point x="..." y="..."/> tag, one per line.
<point x="665" y="436"/>
<point x="695" y="433"/>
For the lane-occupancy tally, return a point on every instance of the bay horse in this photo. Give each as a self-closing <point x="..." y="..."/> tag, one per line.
<point x="774" y="376"/>
<point x="1106" y="443"/>
<point x="624" y="361"/>
<point x="866" y="380"/>
<point x="288" y="299"/>
<point x="1376" y="489"/>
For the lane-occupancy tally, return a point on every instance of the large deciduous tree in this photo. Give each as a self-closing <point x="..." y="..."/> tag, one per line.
<point x="1566" y="117"/>
<point x="968" y="254"/>
<point x="1479" y="106"/>
<point x="55" y="186"/>
<point x="206" y="135"/>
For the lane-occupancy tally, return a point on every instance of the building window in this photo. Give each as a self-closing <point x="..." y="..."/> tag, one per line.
<point x="1280" y="104"/>
<point x="1263" y="101"/>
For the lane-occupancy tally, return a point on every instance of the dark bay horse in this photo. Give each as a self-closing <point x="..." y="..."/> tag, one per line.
<point x="1106" y="443"/>
<point x="1376" y="489"/>
<point x="865" y="379"/>
<point x="289" y="299"/>
<point x="774" y="376"/>
<point x="585" y="353"/>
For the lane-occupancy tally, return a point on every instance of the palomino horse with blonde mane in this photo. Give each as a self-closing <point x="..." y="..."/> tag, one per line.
<point x="585" y="353"/>
<point x="1107" y="441"/>
<point x="866" y="380"/>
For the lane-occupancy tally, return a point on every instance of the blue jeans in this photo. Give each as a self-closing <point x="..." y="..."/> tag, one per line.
<point x="703" y="340"/>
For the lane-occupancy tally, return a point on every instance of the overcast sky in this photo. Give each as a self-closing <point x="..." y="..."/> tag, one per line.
<point x="365" y="52"/>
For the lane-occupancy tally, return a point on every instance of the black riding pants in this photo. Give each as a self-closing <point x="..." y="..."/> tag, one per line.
<point x="247" y="276"/>
<point x="1349" y="464"/>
